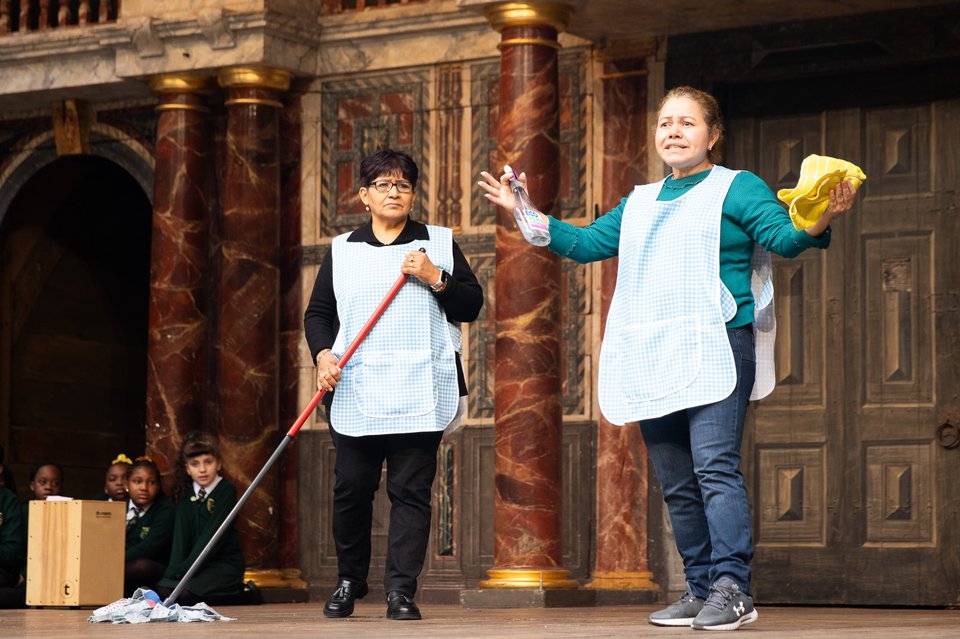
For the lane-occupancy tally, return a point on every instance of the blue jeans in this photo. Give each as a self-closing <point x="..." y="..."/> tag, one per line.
<point x="696" y="456"/>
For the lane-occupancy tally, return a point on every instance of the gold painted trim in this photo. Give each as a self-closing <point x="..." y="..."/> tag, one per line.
<point x="531" y="578"/>
<point x="276" y="578"/>
<point x="179" y="83"/>
<point x="255" y="77"/>
<point x="522" y="14"/>
<point x="263" y="101"/>
<point x="553" y="44"/>
<point x="639" y="73"/>
<point x="176" y="106"/>
<point x="639" y="580"/>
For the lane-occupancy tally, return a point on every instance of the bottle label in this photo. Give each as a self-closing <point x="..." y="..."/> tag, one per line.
<point x="535" y="220"/>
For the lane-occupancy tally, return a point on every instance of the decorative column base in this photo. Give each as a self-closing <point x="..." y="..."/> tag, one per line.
<point x="624" y="588"/>
<point x="539" y="578"/>
<point x="527" y="588"/>
<point x="641" y="580"/>
<point x="280" y="585"/>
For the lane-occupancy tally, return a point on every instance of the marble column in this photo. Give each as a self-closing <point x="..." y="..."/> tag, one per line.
<point x="621" y="542"/>
<point x="528" y="413"/>
<point x="291" y="321"/>
<point x="247" y="255"/>
<point x="176" y="359"/>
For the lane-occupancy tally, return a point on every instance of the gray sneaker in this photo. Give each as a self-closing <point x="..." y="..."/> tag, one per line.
<point x="680" y="613"/>
<point x="726" y="608"/>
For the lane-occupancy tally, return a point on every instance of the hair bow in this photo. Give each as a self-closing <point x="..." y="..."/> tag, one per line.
<point x="121" y="459"/>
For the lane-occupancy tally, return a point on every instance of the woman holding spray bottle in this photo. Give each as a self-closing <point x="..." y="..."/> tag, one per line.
<point x="678" y="354"/>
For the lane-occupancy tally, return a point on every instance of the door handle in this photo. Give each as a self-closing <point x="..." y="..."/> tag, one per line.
<point x="948" y="434"/>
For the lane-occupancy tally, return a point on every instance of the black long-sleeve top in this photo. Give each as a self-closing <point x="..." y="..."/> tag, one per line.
<point x="461" y="300"/>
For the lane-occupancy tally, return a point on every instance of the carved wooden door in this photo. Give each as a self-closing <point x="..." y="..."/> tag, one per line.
<point x="853" y="463"/>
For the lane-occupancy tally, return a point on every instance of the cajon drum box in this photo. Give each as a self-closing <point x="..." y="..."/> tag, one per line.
<point x="75" y="553"/>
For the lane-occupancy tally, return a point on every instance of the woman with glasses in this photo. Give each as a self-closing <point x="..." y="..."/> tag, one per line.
<point x="402" y="387"/>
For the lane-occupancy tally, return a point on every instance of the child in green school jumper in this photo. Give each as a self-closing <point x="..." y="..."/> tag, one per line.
<point x="150" y="518"/>
<point x="204" y="500"/>
<point x="114" y="488"/>
<point x="13" y="550"/>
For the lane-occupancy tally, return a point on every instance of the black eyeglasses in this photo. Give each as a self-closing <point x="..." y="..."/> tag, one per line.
<point x="384" y="186"/>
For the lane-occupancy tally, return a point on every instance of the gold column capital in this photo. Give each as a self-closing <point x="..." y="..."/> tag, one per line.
<point x="255" y="78"/>
<point x="179" y="83"/>
<point x="524" y="14"/>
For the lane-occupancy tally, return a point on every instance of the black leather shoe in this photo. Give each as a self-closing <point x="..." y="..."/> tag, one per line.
<point x="340" y="603"/>
<point x="400" y="606"/>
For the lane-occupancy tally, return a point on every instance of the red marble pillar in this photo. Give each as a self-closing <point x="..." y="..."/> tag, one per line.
<point x="621" y="543"/>
<point x="247" y="257"/>
<point x="176" y="361"/>
<point x="528" y="412"/>
<point x="291" y="321"/>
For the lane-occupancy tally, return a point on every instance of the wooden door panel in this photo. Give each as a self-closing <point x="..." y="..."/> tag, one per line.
<point x="855" y="502"/>
<point x="791" y="495"/>
<point x="897" y="318"/>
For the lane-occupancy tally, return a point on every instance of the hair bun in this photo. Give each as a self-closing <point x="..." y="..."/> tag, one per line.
<point x="122" y="459"/>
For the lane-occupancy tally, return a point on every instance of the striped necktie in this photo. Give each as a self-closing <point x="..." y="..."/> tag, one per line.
<point x="137" y="511"/>
<point x="201" y="494"/>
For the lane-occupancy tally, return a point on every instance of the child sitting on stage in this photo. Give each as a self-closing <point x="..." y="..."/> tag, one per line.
<point x="13" y="547"/>
<point x="46" y="480"/>
<point x="204" y="499"/>
<point x="150" y="518"/>
<point x="113" y="484"/>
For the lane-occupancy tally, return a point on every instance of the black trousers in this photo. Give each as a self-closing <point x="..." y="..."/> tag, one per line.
<point x="411" y="466"/>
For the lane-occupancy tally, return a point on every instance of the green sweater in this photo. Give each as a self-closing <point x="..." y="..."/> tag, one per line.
<point x="196" y="523"/>
<point x="751" y="213"/>
<point x="151" y="536"/>
<point x="13" y="533"/>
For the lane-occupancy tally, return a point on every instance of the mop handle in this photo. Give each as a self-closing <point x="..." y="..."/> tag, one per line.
<point x="289" y="437"/>
<point x="350" y="350"/>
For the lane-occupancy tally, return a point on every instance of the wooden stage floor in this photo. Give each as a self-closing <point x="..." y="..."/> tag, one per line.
<point x="296" y="621"/>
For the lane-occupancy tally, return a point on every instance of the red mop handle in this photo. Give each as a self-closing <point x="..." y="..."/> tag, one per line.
<point x="350" y="350"/>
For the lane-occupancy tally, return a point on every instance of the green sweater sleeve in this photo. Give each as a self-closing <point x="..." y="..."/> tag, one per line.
<point x="13" y="532"/>
<point x="592" y="243"/>
<point x="753" y="206"/>
<point x="155" y="543"/>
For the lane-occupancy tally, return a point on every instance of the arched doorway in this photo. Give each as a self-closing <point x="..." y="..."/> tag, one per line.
<point x="74" y="287"/>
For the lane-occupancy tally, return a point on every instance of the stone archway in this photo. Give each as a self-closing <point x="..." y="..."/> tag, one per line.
<point x="74" y="281"/>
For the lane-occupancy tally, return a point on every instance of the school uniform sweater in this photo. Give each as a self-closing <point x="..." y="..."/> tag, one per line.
<point x="195" y="524"/>
<point x="151" y="536"/>
<point x="13" y="534"/>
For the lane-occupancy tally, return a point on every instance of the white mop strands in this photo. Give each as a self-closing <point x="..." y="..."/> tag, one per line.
<point x="145" y="606"/>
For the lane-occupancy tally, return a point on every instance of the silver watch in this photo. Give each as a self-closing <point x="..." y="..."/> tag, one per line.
<point x="441" y="282"/>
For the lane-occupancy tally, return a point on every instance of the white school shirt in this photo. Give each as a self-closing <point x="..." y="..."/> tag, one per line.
<point x="403" y="376"/>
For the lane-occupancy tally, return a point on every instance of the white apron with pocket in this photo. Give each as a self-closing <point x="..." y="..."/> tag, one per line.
<point x="403" y="376"/>
<point x="666" y="346"/>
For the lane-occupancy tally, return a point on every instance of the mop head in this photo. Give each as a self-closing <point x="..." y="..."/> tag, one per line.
<point x="145" y="606"/>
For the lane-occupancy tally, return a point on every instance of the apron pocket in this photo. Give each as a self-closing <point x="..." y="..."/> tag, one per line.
<point x="660" y="358"/>
<point x="393" y="384"/>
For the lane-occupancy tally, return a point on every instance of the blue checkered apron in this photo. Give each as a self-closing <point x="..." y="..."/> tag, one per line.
<point x="403" y="377"/>
<point x="666" y="346"/>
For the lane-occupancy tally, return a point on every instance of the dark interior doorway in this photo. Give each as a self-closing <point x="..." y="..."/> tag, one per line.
<point x="74" y="290"/>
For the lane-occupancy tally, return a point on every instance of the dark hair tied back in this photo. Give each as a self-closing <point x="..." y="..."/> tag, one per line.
<point x="711" y="114"/>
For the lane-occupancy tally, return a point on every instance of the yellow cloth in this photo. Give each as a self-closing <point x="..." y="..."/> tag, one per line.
<point x="819" y="175"/>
